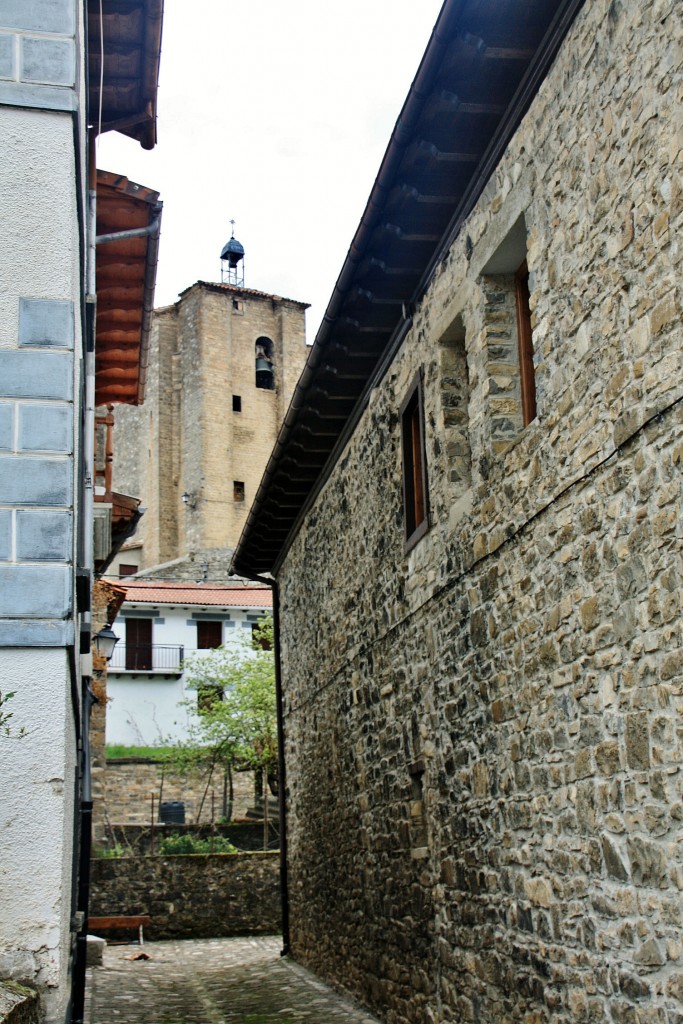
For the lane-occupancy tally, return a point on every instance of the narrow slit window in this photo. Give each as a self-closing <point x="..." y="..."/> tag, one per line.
<point x="237" y="403"/>
<point x="238" y="490"/>
<point x="526" y="348"/>
<point x="415" y="499"/>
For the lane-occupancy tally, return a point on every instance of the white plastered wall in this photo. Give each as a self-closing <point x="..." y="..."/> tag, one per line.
<point x="36" y="822"/>
<point x="37" y="772"/>
<point x="39" y="228"/>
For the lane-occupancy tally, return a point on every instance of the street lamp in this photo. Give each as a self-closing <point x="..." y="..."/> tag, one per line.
<point x="105" y="641"/>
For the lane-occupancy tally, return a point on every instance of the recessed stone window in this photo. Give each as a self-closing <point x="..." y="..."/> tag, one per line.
<point x="455" y="400"/>
<point x="237" y="403"/>
<point x="509" y="340"/>
<point x="415" y="492"/>
<point x="418" y="819"/>
<point x="238" y="490"/>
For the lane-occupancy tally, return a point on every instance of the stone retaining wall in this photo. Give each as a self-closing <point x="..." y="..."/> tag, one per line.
<point x="131" y="783"/>
<point x="192" y="897"/>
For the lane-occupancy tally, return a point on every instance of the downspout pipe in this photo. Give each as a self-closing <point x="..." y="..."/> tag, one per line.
<point x="118" y="236"/>
<point x="282" y="777"/>
<point x="82" y="906"/>
<point x="86" y="562"/>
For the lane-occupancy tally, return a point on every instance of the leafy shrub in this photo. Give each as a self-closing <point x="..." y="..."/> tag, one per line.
<point x="109" y="852"/>
<point x="182" y="845"/>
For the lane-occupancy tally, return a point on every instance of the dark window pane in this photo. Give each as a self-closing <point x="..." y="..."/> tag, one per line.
<point x="209" y="635"/>
<point x="139" y="644"/>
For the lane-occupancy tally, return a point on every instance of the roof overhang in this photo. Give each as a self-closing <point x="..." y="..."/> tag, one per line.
<point x="483" y="65"/>
<point x="124" y="48"/>
<point x="124" y="515"/>
<point x="128" y="224"/>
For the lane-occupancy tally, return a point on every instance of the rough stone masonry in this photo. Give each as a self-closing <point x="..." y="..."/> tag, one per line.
<point x="484" y="733"/>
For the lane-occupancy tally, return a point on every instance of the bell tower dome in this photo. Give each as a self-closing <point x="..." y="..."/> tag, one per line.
<point x="232" y="261"/>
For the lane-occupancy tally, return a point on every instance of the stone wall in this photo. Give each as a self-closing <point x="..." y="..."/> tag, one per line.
<point x="483" y="733"/>
<point x="18" y="1004"/>
<point x="189" y="438"/>
<point x="131" y="783"/>
<point x="192" y="897"/>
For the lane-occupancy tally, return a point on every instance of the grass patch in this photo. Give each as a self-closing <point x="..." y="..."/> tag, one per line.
<point x="116" y="752"/>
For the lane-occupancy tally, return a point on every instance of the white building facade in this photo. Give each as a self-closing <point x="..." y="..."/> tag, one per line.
<point x="161" y="627"/>
<point x="42" y="124"/>
<point x="47" y="387"/>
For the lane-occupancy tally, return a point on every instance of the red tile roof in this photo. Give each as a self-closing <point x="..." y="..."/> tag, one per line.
<point x="214" y="594"/>
<point x="239" y="290"/>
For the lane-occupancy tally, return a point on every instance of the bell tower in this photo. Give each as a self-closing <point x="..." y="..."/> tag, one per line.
<point x="232" y="261"/>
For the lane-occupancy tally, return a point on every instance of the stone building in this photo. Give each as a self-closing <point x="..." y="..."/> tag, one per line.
<point x="223" y="365"/>
<point x="473" y="518"/>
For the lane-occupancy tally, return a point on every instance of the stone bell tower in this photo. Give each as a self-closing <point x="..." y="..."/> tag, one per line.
<point x="223" y="364"/>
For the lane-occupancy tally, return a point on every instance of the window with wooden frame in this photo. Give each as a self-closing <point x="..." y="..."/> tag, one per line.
<point x="209" y="635"/>
<point x="526" y="348"/>
<point x="139" y="644"/>
<point x="415" y="495"/>
<point x="509" y="348"/>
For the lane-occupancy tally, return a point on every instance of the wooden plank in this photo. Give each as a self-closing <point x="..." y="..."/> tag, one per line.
<point x="121" y="921"/>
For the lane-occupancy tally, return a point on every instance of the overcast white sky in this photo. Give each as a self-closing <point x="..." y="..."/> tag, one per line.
<point x="275" y="113"/>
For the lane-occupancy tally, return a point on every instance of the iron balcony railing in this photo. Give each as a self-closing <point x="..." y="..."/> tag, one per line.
<point x="147" y="658"/>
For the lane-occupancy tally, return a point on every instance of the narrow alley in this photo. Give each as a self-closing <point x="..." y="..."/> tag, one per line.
<point x="211" y="981"/>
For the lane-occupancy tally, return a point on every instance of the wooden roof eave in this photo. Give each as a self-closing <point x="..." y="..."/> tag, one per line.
<point x="123" y="207"/>
<point x="129" y="104"/>
<point x="392" y="232"/>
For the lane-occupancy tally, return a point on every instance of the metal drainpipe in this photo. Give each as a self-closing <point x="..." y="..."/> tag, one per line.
<point x="80" y="961"/>
<point x="86" y="562"/>
<point x="88" y="488"/>
<point x="282" y="777"/>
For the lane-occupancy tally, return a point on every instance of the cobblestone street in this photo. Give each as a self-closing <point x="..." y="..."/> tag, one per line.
<point x="212" y="981"/>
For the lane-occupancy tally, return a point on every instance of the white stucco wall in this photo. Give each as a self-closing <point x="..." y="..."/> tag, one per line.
<point x="40" y="230"/>
<point x="37" y="775"/>
<point x="145" y="709"/>
<point x="40" y="267"/>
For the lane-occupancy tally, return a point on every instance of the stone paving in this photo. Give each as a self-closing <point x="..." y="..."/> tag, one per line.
<point x="212" y="981"/>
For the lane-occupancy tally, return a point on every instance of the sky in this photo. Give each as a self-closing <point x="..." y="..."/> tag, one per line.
<point x="274" y="113"/>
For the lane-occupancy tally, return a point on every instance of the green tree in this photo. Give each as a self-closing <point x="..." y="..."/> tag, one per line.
<point x="235" y="725"/>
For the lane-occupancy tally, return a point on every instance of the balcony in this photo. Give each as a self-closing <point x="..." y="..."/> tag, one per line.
<point x="163" y="659"/>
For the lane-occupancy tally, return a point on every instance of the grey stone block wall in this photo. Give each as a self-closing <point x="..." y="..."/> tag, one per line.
<point x="483" y="736"/>
<point x="38" y="54"/>
<point x="37" y="476"/>
<point x="46" y="322"/>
